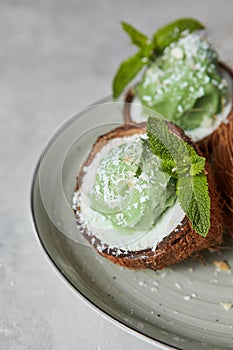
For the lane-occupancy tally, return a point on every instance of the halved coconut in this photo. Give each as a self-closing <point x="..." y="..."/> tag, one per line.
<point x="170" y="241"/>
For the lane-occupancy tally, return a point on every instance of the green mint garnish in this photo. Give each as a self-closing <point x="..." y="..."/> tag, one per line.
<point x="194" y="200"/>
<point x="148" y="48"/>
<point x="139" y="39"/>
<point x="180" y="160"/>
<point x="128" y="71"/>
<point x="173" y="31"/>
<point x="138" y="172"/>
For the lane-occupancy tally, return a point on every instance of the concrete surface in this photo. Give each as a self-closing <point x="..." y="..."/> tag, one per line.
<point x="56" y="57"/>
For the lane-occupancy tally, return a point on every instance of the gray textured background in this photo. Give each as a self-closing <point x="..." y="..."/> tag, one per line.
<point x="56" y="57"/>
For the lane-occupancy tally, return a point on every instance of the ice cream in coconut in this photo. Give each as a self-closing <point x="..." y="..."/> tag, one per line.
<point x="187" y="85"/>
<point x="127" y="204"/>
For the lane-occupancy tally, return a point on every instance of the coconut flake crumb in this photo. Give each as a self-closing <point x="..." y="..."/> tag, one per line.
<point x="177" y="53"/>
<point x="222" y="265"/>
<point x="178" y="285"/>
<point x="180" y="109"/>
<point x="142" y="283"/>
<point x="147" y="98"/>
<point x="226" y="306"/>
<point x="144" y="59"/>
<point x="164" y="274"/>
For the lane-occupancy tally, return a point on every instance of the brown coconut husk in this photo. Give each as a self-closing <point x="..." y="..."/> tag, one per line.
<point x="182" y="243"/>
<point x="218" y="149"/>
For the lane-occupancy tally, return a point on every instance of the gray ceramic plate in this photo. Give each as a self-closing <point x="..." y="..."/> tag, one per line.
<point x="187" y="306"/>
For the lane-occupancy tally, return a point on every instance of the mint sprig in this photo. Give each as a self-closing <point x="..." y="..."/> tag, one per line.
<point x="149" y="48"/>
<point x="180" y="160"/>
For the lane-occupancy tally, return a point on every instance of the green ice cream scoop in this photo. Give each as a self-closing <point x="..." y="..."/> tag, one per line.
<point x="131" y="199"/>
<point x="183" y="83"/>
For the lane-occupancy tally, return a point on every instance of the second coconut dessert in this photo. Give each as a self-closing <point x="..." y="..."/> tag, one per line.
<point x="146" y="198"/>
<point x="180" y="77"/>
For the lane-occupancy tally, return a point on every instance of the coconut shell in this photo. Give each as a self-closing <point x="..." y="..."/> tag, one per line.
<point x="183" y="242"/>
<point x="218" y="149"/>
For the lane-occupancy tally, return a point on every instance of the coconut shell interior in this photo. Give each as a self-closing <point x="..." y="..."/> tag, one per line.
<point x="180" y="244"/>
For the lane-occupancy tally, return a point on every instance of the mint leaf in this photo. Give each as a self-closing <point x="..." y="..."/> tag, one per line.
<point x="168" y="167"/>
<point x="194" y="199"/>
<point x="158" y="136"/>
<point x="177" y="156"/>
<point x="130" y="67"/>
<point x="180" y="160"/>
<point x="128" y="70"/>
<point x="173" y="31"/>
<point x="197" y="162"/>
<point x="139" y="39"/>
<point x="167" y="146"/>
<point x="138" y="172"/>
